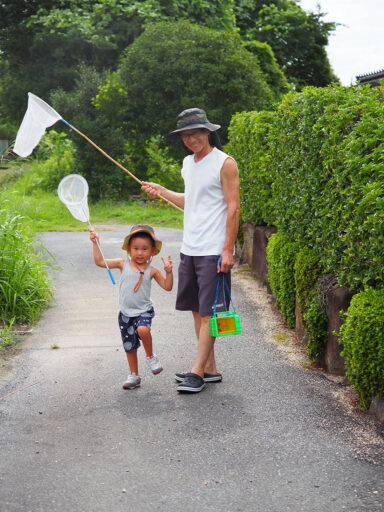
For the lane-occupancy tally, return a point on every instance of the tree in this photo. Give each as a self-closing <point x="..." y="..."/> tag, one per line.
<point x="298" y="39"/>
<point x="45" y="41"/>
<point x="173" y="66"/>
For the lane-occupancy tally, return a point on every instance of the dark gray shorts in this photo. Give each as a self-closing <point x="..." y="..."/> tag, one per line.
<point x="128" y="328"/>
<point x="197" y="285"/>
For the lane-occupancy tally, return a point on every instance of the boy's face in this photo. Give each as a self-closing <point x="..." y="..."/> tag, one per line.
<point x="140" y="249"/>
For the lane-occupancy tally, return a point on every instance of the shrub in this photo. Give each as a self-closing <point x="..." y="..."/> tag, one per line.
<point x="362" y="336"/>
<point x="56" y="159"/>
<point x="248" y="134"/>
<point x="24" y="284"/>
<point x="174" y="66"/>
<point x="161" y="167"/>
<point x="317" y="166"/>
<point x="307" y="272"/>
<point x="281" y="259"/>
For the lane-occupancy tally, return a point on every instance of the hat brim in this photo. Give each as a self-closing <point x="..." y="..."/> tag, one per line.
<point x="209" y="126"/>
<point x="158" y="243"/>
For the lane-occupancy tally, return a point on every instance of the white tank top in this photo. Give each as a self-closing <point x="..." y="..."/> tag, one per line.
<point x="205" y="209"/>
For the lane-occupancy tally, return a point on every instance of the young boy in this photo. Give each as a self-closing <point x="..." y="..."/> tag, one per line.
<point x="136" y="310"/>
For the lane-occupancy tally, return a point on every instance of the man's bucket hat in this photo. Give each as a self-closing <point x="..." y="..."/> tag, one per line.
<point x="142" y="228"/>
<point x="193" y="118"/>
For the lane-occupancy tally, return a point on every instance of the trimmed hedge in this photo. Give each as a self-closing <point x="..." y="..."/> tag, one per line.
<point x="281" y="259"/>
<point x="307" y="272"/>
<point x="314" y="169"/>
<point x="362" y="335"/>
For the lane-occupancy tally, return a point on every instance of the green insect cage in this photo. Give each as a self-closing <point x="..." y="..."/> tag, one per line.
<point x="224" y="323"/>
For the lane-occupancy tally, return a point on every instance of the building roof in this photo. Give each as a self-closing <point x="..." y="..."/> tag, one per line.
<point x="370" y="78"/>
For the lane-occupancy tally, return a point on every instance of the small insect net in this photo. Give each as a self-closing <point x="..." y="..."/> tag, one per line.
<point x="73" y="192"/>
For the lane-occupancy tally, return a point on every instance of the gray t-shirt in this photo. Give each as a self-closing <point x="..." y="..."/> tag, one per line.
<point x="134" y="303"/>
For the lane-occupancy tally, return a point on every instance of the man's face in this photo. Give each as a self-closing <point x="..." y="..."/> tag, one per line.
<point x="195" y="140"/>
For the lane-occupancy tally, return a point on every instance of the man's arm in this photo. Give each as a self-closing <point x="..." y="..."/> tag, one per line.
<point x="231" y="189"/>
<point x="154" y="190"/>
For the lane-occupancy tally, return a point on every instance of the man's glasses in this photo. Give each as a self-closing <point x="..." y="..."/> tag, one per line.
<point x="193" y="133"/>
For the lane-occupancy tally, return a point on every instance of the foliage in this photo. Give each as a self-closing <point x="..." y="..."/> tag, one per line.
<point x="362" y="336"/>
<point x="56" y="154"/>
<point x="307" y="272"/>
<point x="318" y="167"/>
<point x="161" y="167"/>
<point x="45" y="212"/>
<point x="45" y="42"/>
<point x="173" y="66"/>
<point x="298" y="39"/>
<point x="248" y="133"/>
<point x="274" y="76"/>
<point x="7" y="336"/>
<point x="24" y="284"/>
<point x="281" y="260"/>
<point x="105" y="179"/>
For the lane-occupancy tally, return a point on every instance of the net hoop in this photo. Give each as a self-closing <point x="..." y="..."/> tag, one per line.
<point x="73" y="192"/>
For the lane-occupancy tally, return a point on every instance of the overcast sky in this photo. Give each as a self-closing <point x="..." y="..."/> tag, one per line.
<point x="357" y="46"/>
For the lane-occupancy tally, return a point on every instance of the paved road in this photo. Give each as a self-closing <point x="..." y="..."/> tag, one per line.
<point x="271" y="437"/>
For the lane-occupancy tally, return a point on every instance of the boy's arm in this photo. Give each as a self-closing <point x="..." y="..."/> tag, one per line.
<point x="97" y="256"/>
<point x="165" y="282"/>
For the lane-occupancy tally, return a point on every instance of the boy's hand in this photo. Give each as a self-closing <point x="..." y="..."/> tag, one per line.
<point x="93" y="236"/>
<point x="167" y="265"/>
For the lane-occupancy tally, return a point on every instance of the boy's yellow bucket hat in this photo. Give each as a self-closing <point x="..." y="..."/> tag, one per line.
<point x="142" y="228"/>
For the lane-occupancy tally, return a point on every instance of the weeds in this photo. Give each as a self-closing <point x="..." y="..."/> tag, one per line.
<point x="7" y="337"/>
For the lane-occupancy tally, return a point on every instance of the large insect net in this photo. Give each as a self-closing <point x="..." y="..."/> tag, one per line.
<point x="73" y="192"/>
<point x="38" y="117"/>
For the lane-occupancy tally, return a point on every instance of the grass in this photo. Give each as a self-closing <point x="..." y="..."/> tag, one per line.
<point x="25" y="208"/>
<point x="44" y="211"/>
<point x="25" y="288"/>
<point x="7" y="337"/>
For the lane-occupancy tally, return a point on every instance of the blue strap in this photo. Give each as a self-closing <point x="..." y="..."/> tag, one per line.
<point x="225" y="283"/>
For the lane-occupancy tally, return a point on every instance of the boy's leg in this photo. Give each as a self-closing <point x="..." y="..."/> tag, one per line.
<point x="146" y="338"/>
<point x="132" y="361"/>
<point x="210" y="365"/>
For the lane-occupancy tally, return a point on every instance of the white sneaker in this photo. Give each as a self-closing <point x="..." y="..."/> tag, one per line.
<point x="154" y="364"/>
<point x="133" y="381"/>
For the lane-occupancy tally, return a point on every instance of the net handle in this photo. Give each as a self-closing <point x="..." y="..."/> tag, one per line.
<point x="117" y="163"/>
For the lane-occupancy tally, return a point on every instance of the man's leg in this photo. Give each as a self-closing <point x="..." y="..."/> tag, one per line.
<point x="201" y="331"/>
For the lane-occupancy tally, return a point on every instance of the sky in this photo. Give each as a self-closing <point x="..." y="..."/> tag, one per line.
<point x="357" y="46"/>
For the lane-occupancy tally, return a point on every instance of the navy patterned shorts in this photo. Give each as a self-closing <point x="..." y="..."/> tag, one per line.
<point x="128" y="328"/>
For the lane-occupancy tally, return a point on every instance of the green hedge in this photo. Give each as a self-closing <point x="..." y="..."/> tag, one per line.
<point x="281" y="259"/>
<point x="307" y="273"/>
<point x="362" y="335"/>
<point x="314" y="168"/>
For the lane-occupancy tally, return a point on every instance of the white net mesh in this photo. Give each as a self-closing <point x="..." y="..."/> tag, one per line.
<point x="38" y="117"/>
<point x="73" y="192"/>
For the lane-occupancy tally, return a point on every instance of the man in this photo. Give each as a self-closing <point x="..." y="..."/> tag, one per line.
<point x="211" y="203"/>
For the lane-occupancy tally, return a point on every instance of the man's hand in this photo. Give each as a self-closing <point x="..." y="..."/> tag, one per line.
<point x="152" y="189"/>
<point x="227" y="262"/>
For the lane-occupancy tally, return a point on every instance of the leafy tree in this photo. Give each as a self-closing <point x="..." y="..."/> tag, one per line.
<point x="105" y="179"/>
<point x="298" y="39"/>
<point x="45" y="41"/>
<point x="173" y="66"/>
